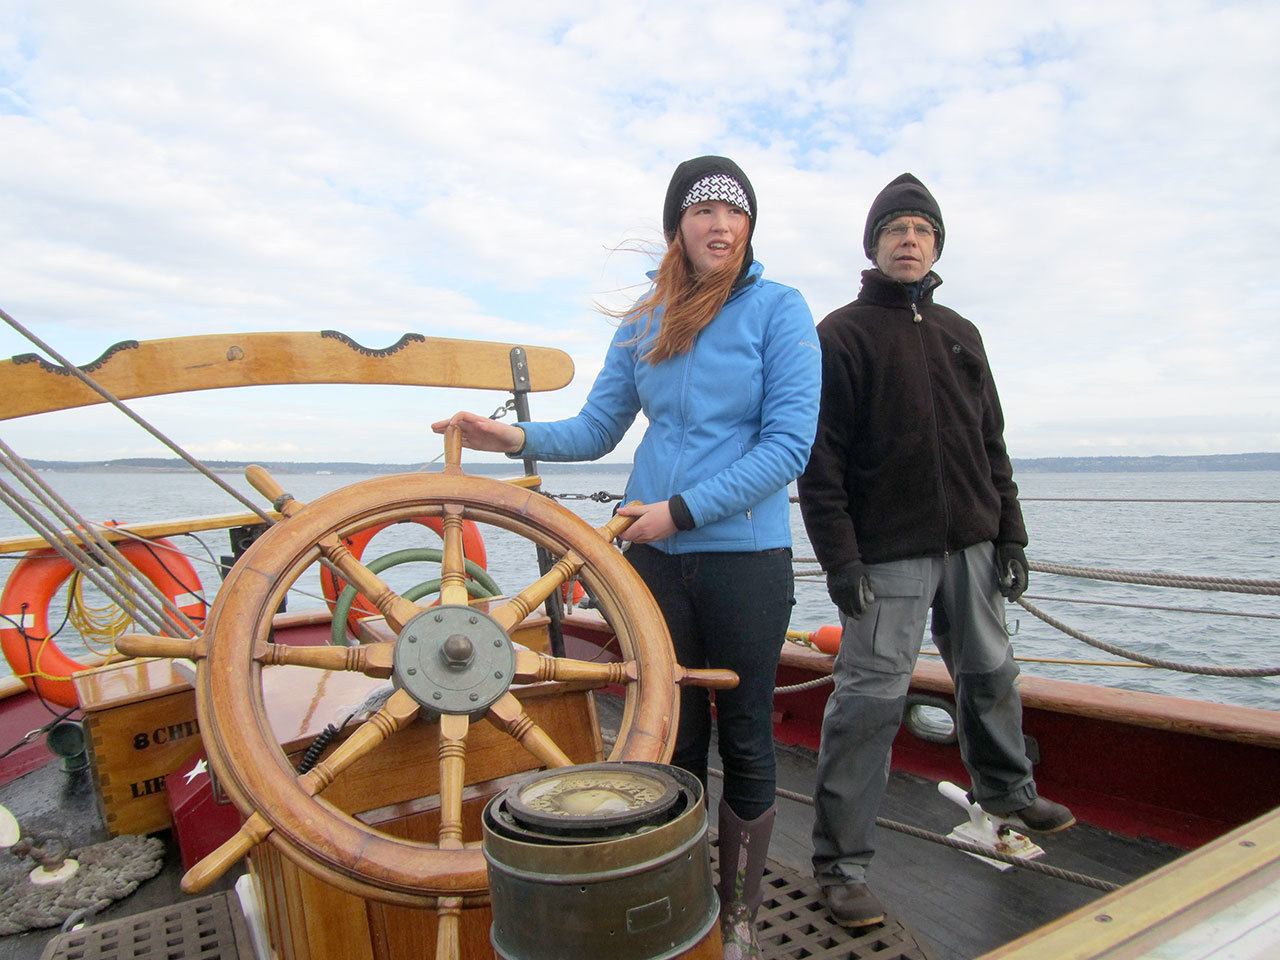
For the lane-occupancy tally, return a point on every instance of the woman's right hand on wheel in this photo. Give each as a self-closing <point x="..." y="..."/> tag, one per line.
<point x="481" y="433"/>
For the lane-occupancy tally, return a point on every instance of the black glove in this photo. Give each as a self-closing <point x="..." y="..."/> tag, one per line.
<point x="1012" y="572"/>
<point x="850" y="589"/>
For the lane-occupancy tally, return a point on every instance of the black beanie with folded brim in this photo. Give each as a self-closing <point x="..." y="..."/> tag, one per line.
<point x="689" y="173"/>
<point x="903" y="196"/>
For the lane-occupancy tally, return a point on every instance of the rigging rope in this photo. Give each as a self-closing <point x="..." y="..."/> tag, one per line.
<point x="1225" y="584"/>
<point x="1157" y="606"/>
<point x="905" y="828"/>
<point x="78" y="557"/>
<point x="920" y="834"/>
<point x="1182" y="581"/>
<point x="116" y="402"/>
<point x="1035" y="611"/>
<point x="806" y="685"/>
<point x="207" y="560"/>
<point x="166" y="610"/>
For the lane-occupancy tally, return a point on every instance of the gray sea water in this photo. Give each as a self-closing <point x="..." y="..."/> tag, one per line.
<point x="1215" y="539"/>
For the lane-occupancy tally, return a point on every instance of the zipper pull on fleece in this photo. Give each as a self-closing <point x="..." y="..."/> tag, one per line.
<point x="915" y="314"/>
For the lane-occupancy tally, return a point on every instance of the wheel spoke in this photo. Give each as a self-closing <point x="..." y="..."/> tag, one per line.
<point x="531" y="597"/>
<point x="390" y="604"/>
<point x="261" y="480"/>
<point x="146" y="645"/>
<point x="610" y="531"/>
<point x="534" y="667"/>
<point x="448" y="935"/>
<point x="251" y="833"/>
<point x="453" y="571"/>
<point x="453" y="449"/>
<point x="508" y="713"/>
<point x="371" y="659"/>
<point x="714" y="679"/>
<point x="453" y="753"/>
<point x="397" y="713"/>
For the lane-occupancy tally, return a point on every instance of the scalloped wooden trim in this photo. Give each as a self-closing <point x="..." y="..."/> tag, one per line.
<point x="149" y="368"/>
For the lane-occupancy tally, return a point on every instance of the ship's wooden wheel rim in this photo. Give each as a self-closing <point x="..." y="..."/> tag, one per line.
<point x="288" y="809"/>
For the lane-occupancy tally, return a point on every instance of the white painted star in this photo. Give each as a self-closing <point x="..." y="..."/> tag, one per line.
<point x="201" y="766"/>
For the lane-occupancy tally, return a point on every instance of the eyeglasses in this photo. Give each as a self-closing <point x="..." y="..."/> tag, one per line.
<point x="898" y="231"/>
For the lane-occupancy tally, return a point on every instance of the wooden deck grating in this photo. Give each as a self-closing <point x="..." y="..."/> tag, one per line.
<point x="794" y="925"/>
<point x="207" y="928"/>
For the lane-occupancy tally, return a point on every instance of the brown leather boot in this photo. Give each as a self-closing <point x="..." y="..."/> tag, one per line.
<point x="744" y="848"/>
<point x="852" y="904"/>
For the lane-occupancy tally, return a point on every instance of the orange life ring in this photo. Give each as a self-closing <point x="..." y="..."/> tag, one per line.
<point x="332" y="586"/>
<point x="24" y="610"/>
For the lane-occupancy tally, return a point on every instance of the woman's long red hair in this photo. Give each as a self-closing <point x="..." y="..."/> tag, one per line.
<point x="688" y="300"/>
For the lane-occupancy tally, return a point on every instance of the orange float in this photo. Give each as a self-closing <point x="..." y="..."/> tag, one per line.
<point x="825" y="638"/>
<point x="579" y="592"/>
<point x="24" y="610"/>
<point x="332" y="586"/>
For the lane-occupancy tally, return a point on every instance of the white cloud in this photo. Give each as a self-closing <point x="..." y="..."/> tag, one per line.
<point x="463" y="169"/>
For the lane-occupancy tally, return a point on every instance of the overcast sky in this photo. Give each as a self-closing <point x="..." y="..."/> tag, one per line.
<point x="1107" y="173"/>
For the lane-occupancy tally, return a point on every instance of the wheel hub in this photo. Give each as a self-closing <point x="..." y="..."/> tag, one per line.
<point x="454" y="659"/>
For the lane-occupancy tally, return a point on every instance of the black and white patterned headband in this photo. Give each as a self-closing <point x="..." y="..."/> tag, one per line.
<point x="717" y="186"/>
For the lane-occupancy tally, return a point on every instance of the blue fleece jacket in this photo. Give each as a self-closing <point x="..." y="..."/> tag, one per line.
<point x="730" y="422"/>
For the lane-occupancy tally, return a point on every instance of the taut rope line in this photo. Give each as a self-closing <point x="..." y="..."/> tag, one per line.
<point x="1224" y="584"/>
<point x="1155" y="579"/>
<point x="1035" y="611"/>
<point x="154" y="431"/>
<point x="921" y="834"/>
<point x="167" y="610"/>
<point x="119" y="404"/>
<point x="78" y="558"/>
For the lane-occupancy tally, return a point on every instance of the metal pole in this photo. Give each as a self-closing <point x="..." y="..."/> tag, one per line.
<point x="520" y="391"/>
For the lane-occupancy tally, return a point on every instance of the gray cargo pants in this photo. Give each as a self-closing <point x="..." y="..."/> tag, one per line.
<point x="872" y="672"/>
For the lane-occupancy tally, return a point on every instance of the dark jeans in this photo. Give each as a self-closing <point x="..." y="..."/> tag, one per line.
<point x="727" y="610"/>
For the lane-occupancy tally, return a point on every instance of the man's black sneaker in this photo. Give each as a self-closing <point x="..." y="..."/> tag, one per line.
<point x="852" y="904"/>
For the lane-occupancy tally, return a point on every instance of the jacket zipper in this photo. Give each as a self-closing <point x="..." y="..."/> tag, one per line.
<point x="684" y="424"/>
<point x="918" y="320"/>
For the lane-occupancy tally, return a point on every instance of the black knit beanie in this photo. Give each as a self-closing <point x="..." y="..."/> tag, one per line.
<point x="904" y="196"/>
<point x="691" y="172"/>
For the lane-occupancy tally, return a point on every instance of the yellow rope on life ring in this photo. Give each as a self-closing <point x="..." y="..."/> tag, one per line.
<point x="103" y="623"/>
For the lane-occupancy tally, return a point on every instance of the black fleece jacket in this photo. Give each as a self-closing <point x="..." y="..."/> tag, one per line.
<point x="909" y="459"/>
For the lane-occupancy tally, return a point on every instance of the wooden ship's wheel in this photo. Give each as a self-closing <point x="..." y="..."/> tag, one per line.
<point x="453" y="664"/>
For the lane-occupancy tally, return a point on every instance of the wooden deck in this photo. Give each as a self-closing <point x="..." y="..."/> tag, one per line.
<point x="956" y="906"/>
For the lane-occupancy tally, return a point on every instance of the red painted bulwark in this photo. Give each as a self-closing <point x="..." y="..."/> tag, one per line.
<point x="1180" y="771"/>
<point x="21" y="712"/>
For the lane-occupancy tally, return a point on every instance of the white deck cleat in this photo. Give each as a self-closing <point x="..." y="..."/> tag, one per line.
<point x="10" y="832"/>
<point x="988" y="831"/>
<point x="45" y="878"/>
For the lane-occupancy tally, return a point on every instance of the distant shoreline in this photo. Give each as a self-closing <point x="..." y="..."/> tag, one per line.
<point x="1226" y="462"/>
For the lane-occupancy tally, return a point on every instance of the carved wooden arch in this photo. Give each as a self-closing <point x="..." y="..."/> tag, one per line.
<point x="148" y="368"/>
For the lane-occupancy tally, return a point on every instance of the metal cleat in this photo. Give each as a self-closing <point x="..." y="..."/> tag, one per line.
<point x="988" y="831"/>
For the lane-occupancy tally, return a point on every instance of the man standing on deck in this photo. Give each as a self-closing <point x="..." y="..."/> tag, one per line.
<point x="910" y="504"/>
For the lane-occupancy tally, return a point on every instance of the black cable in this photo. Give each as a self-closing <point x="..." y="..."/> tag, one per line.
<point x="58" y="718"/>
<point x="320" y="744"/>
<point x="28" y="640"/>
<point x="208" y="552"/>
<point x="197" y="592"/>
